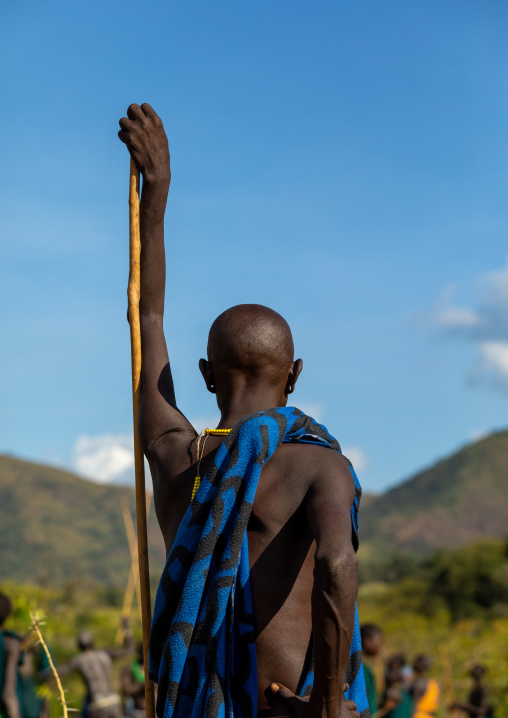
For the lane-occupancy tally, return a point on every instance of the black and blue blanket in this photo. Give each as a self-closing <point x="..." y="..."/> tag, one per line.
<point x="202" y="650"/>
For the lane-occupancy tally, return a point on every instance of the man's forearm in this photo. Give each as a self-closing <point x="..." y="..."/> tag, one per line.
<point x="333" y="616"/>
<point x="153" y="261"/>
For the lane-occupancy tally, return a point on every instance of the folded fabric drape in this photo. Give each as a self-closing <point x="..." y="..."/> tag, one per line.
<point x="202" y="649"/>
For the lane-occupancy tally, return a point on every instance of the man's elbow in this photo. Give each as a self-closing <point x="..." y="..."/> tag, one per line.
<point x="336" y="569"/>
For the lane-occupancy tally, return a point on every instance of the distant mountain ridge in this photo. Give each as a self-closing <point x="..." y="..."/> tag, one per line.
<point x="459" y="499"/>
<point x="55" y="525"/>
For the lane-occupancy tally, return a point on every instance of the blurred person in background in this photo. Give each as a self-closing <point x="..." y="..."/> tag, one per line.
<point x="95" y="666"/>
<point x="133" y="686"/>
<point x="34" y="663"/>
<point x="397" y="699"/>
<point x="424" y="690"/>
<point x="10" y="705"/>
<point x="372" y="643"/>
<point x="478" y="704"/>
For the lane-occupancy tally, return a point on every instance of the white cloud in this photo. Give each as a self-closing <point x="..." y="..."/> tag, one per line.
<point x="457" y="317"/>
<point x="357" y="457"/>
<point x="486" y="327"/>
<point x="107" y="458"/>
<point x="492" y="364"/>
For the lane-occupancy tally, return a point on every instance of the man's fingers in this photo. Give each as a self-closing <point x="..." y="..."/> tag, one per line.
<point x="126" y="124"/>
<point x="350" y="705"/>
<point x="297" y="706"/>
<point x="281" y="691"/>
<point x="134" y="112"/>
<point x="349" y="709"/>
<point x="127" y="137"/>
<point x="149" y="111"/>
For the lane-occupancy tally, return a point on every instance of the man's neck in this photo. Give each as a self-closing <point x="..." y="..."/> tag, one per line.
<point x="234" y="410"/>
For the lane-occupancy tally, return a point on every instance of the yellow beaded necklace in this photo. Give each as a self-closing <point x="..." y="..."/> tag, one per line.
<point x="200" y="450"/>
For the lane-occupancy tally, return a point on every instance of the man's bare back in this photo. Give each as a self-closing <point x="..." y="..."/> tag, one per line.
<point x="281" y="546"/>
<point x="302" y="561"/>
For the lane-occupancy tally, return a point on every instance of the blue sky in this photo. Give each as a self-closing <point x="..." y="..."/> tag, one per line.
<point x="345" y="163"/>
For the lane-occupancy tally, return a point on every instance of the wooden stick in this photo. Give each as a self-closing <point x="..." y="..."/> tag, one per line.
<point x="133" y="579"/>
<point x="133" y="548"/>
<point x="35" y="626"/>
<point x="127" y="605"/>
<point x="133" y="294"/>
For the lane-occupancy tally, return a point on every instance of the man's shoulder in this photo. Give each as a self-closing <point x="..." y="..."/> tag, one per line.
<point x="312" y="458"/>
<point x="310" y="464"/>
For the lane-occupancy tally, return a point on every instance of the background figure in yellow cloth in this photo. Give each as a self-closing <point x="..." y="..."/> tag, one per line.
<point x="424" y="691"/>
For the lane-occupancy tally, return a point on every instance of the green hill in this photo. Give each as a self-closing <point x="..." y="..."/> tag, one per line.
<point x="460" y="499"/>
<point x="55" y="526"/>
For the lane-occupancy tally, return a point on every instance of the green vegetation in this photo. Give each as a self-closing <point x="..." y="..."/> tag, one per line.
<point x="73" y="607"/>
<point x="453" y="601"/>
<point x="465" y="583"/>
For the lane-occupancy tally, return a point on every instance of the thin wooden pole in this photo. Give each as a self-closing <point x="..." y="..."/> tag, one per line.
<point x="133" y="548"/>
<point x="127" y="604"/>
<point x="35" y="627"/>
<point x="133" y="579"/>
<point x="133" y="294"/>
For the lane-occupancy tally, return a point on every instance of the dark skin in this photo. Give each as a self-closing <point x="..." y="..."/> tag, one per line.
<point x="132" y="687"/>
<point x="303" y="566"/>
<point x="85" y="643"/>
<point x="9" y="695"/>
<point x="478" y="704"/>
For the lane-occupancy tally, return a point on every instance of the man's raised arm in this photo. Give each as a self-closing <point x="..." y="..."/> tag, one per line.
<point x="143" y="133"/>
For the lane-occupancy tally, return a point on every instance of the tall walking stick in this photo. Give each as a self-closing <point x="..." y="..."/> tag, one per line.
<point x="133" y="293"/>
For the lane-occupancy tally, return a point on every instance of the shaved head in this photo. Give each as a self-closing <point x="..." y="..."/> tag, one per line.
<point x="251" y="339"/>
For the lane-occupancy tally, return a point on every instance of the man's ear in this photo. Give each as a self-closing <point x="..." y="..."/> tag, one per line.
<point x="207" y="372"/>
<point x="294" y="373"/>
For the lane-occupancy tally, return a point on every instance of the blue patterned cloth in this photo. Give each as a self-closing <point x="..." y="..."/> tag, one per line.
<point x="202" y="649"/>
